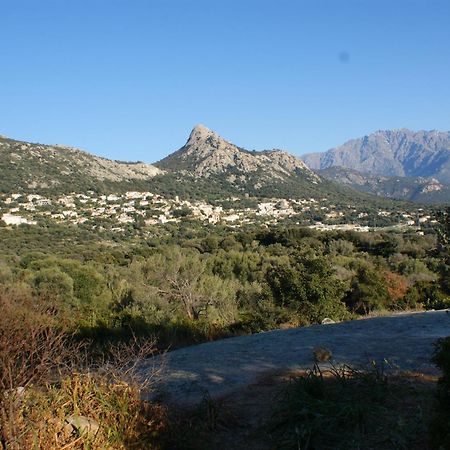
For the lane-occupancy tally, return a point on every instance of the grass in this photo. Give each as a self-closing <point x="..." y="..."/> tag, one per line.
<point x="344" y="408"/>
<point x="42" y="415"/>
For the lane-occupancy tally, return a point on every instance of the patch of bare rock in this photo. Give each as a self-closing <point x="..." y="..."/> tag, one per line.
<point x="402" y="342"/>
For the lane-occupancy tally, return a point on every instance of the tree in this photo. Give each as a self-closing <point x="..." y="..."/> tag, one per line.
<point x="368" y="291"/>
<point x="396" y="285"/>
<point x="307" y="288"/>
<point x="443" y="230"/>
<point x="180" y="278"/>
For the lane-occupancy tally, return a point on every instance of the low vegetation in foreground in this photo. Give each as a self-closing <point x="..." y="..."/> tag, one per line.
<point x="334" y="408"/>
<point x="56" y="394"/>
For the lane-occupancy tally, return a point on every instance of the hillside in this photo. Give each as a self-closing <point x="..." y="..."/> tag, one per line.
<point x="29" y="167"/>
<point x="401" y="153"/>
<point x="422" y="190"/>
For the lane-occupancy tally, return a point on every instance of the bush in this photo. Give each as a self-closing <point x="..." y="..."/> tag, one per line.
<point x="308" y="289"/>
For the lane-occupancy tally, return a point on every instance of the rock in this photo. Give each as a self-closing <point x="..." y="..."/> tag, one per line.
<point x="16" y="393"/>
<point x="206" y="153"/>
<point x="83" y="425"/>
<point x="20" y="391"/>
<point x="327" y="321"/>
<point x="322" y="354"/>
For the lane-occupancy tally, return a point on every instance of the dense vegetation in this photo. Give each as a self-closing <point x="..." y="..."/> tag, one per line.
<point x="219" y="283"/>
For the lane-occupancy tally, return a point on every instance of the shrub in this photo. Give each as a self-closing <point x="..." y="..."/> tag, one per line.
<point x="47" y="381"/>
<point x="308" y="289"/>
<point x="116" y="415"/>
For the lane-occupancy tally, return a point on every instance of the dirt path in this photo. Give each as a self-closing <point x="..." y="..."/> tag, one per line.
<point x="221" y="367"/>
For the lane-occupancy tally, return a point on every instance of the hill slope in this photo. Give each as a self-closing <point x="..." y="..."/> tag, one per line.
<point x="402" y="153"/>
<point x="206" y="167"/>
<point x="422" y="190"/>
<point x="26" y="166"/>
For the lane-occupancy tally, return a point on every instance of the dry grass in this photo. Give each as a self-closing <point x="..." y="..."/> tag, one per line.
<point x="45" y="380"/>
<point x="124" y="421"/>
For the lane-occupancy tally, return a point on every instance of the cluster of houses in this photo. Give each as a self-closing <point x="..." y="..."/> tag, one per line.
<point x="153" y="209"/>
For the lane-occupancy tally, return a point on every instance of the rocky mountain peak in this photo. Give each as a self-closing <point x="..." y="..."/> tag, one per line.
<point x="202" y="140"/>
<point x="200" y="132"/>
<point x="206" y="153"/>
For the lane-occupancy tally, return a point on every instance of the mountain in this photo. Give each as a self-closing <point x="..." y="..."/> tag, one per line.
<point x="401" y="153"/>
<point x="422" y="190"/>
<point x="212" y="164"/>
<point x="206" y="154"/>
<point x="25" y="166"/>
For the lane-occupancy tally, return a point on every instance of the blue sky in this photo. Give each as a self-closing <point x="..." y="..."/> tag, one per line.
<point x="129" y="79"/>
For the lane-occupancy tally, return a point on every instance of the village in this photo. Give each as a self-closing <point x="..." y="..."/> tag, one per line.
<point x="149" y="209"/>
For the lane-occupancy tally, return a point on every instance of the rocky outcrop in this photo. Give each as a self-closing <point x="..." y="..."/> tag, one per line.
<point x="206" y="153"/>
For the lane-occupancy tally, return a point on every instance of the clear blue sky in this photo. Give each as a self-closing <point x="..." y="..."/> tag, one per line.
<point x="129" y="79"/>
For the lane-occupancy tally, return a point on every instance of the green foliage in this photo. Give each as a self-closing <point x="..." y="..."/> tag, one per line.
<point x="368" y="291"/>
<point x="183" y="281"/>
<point x="308" y="289"/>
<point x="53" y="284"/>
<point x="443" y="218"/>
<point x="428" y="295"/>
<point x="182" y="212"/>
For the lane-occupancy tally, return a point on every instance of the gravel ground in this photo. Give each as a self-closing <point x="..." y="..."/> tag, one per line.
<point x="221" y="367"/>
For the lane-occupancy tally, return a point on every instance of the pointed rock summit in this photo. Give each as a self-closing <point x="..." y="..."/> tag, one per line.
<point x="206" y="153"/>
<point x="200" y="132"/>
<point x="203" y="142"/>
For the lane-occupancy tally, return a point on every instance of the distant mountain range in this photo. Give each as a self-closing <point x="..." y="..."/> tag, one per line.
<point x="394" y="163"/>
<point x="401" y="153"/>
<point x="422" y="190"/>
<point x="209" y="166"/>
